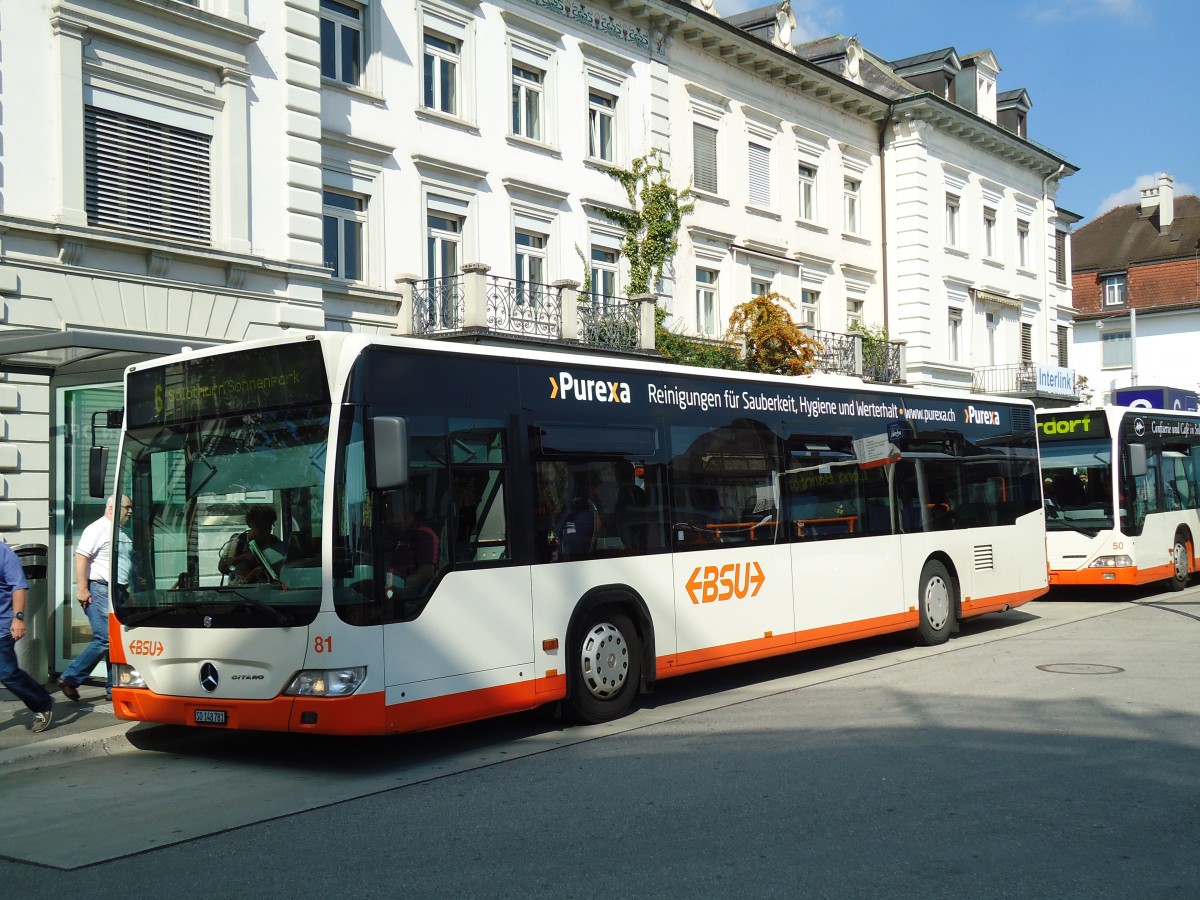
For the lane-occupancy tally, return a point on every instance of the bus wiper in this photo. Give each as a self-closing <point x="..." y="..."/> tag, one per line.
<point x="279" y="618"/>
<point x="1062" y="520"/>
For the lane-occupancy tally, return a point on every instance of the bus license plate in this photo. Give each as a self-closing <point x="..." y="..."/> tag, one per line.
<point x="211" y="717"/>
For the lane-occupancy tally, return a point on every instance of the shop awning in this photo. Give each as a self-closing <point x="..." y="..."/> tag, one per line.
<point x="47" y="352"/>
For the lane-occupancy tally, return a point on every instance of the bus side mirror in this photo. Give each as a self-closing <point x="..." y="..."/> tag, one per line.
<point x="389" y="453"/>
<point x="97" y="470"/>
<point x="1137" y="460"/>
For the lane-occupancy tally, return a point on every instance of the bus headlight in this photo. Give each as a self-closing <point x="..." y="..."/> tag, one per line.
<point x="327" y="682"/>
<point x="126" y="676"/>
<point x="1111" y="562"/>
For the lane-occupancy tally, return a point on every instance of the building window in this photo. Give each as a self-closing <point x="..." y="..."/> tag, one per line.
<point x="759" y="287"/>
<point x="530" y="266"/>
<point x="704" y="158"/>
<point x="145" y="176"/>
<point x="443" y="245"/>
<point x="440" y="72"/>
<point x="1060" y="257"/>
<point x="807" y="179"/>
<point x="809" y="307"/>
<point x="601" y="125"/>
<point x="344" y="218"/>
<point x="341" y="41"/>
<point x="850" y="190"/>
<point x="527" y="101"/>
<point x="706" y="302"/>
<point x="1116" y="291"/>
<point x="1023" y="244"/>
<point x="604" y="277"/>
<point x="1116" y="349"/>
<point x="1026" y="342"/>
<point x="989" y="233"/>
<point x="1064" y="337"/>
<point x="854" y="314"/>
<point x="954" y="335"/>
<point x="952" y="235"/>
<point x="759" y="158"/>
<point x="991" y="323"/>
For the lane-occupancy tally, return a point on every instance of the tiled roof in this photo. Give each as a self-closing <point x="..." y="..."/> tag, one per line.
<point x="1123" y="236"/>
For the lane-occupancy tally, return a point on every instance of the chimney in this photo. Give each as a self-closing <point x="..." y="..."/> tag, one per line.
<point x="1160" y="199"/>
<point x="1166" y="203"/>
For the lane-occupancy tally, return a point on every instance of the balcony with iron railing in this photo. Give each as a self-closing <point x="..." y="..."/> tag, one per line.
<point x="1028" y="379"/>
<point x="476" y="302"/>
<point x="870" y="358"/>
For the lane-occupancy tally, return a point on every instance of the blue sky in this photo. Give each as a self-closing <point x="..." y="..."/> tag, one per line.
<point x="1113" y="82"/>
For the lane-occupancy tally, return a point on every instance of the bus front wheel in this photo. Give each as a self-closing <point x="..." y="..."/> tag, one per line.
<point x="1181" y="555"/>
<point x="936" y="604"/>
<point x="606" y="666"/>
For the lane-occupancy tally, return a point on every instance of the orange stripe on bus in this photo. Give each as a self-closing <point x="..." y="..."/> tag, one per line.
<point x="455" y="709"/>
<point x="1128" y="576"/>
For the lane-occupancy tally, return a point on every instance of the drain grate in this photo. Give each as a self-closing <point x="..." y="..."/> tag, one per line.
<point x="1081" y="669"/>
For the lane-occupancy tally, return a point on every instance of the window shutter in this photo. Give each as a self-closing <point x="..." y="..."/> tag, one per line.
<point x="1026" y="342"/>
<point x="145" y="176"/>
<point x="1060" y="257"/>
<point x="760" y="175"/>
<point x="704" y="157"/>
<point x="1063" y="336"/>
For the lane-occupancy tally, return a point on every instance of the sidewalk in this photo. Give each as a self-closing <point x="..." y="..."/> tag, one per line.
<point x="77" y="727"/>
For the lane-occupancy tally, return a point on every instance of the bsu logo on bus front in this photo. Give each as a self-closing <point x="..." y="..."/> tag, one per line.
<point x="599" y="390"/>
<point x="741" y="580"/>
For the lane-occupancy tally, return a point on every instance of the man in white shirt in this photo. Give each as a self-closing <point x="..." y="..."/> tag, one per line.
<point x="92" y="564"/>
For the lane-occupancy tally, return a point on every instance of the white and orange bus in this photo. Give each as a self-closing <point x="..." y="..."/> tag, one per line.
<point x="1121" y="495"/>
<point x="463" y="531"/>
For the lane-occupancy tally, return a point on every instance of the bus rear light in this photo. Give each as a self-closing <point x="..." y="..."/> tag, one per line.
<point x="1121" y="561"/>
<point x="126" y="676"/>
<point x="327" y="682"/>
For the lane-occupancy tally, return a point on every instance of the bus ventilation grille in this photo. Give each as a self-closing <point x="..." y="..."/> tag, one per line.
<point x="1022" y="418"/>
<point x="983" y="557"/>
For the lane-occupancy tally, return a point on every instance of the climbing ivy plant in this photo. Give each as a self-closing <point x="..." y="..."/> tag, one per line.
<point x="652" y="222"/>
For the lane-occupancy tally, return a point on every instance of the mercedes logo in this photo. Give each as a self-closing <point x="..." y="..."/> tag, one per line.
<point x="1139" y="427"/>
<point x="208" y="621"/>
<point x="209" y="677"/>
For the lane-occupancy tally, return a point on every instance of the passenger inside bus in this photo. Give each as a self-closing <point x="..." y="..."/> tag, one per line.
<point x="578" y="525"/>
<point x="413" y="559"/>
<point x="253" y="556"/>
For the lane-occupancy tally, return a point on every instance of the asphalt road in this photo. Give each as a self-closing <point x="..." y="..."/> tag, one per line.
<point x="1051" y="751"/>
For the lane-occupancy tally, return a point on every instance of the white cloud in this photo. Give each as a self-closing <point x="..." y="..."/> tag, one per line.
<point x="1071" y="10"/>
<point x="1133" y="193"/>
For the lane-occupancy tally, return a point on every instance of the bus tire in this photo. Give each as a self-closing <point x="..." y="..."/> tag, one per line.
<point x="936" y="602"/>
<point x="606" y="666"/>
<point x="1181" y="556"/>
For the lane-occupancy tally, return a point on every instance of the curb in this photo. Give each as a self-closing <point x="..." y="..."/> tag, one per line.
<point x="108" y="741"/>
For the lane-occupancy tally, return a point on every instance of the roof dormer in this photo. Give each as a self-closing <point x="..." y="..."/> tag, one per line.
<point x="1012" y="111"/>
<point x="976" y="84"/>
<point x="934" y="72"/>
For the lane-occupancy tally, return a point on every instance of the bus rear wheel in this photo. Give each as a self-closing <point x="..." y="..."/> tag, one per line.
<point x="1181" y="555"/>
<point x="606" y="666"/>
<point x="936" y="604"/>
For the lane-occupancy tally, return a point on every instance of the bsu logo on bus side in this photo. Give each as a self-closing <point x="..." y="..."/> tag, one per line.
<point x="741" y="580"/>
<point x="596" y="389"/>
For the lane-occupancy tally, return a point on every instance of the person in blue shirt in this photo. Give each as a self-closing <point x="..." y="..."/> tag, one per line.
<point x="13" y="591"/>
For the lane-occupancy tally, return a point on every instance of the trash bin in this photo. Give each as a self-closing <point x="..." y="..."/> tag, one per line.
<point x="33" y="650"/>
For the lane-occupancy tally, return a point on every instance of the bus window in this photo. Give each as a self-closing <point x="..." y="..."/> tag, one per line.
<point x="598" y="491"/>
<point x="829" y="495"/>
<point x="929" y="492"/>
<point x="724" y="484"/>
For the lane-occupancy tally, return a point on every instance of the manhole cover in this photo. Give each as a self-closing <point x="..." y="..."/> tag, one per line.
<point x="1081" y="669"/>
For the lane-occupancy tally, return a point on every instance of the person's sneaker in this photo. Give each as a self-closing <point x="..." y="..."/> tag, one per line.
<point x="69" y="690"/>
<point x="41" y="721"/>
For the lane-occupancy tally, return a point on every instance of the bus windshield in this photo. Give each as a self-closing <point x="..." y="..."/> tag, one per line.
<point x="227" y="519"/>
<point x="1077" y="485"/>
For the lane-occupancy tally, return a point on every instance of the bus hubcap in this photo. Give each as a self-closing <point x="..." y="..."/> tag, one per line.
<point x="604" y="661"/>
<point x="937" y="603"/>
<point x="1181" y="565"/>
